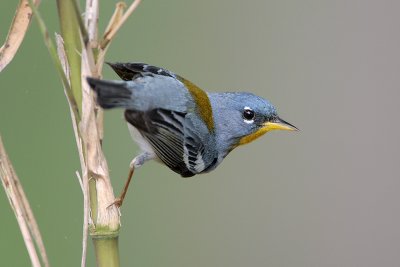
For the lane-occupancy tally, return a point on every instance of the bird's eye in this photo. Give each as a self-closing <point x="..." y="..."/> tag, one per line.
<point x="248" y="114"/>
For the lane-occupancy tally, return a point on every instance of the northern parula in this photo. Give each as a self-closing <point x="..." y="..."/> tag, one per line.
<point x="177" y="123"/>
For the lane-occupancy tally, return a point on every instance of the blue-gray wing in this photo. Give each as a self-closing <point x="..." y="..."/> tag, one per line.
<point x="144" y="88"/>
<point x="182" y="149"/>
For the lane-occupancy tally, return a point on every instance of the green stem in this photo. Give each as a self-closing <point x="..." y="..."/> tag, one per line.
<point x="106" y="251"/>
<point x="69" y="24"/>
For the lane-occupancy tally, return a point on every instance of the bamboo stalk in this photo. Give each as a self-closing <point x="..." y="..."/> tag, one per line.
<point x="105" y="222"/>
<point x="74" y="62"/>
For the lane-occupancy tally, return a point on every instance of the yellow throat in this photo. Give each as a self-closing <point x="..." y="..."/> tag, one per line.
<point x="267" y="126"/>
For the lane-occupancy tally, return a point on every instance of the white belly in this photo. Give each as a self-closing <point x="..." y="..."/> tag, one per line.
<point x="142" y="143"/>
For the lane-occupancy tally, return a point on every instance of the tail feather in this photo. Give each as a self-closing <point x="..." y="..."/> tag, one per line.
<point x="111" y="94"/>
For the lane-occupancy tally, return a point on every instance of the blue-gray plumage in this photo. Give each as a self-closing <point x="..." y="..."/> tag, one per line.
<point x="179" y="124"/>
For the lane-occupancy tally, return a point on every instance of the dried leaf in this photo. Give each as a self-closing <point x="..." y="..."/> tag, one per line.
<point x="16" y="33"/>
<point x="22" y="210"/>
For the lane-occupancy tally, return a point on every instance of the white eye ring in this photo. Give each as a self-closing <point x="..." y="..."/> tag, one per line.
<point x="248" y="115"/>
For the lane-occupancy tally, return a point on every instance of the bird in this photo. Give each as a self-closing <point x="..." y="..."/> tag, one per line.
<point x="178" y="124"/>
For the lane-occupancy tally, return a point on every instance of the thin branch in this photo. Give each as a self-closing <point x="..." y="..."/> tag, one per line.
<point x="108" y="36"/>
<point x="33" y="226"/>
<point x="16" y="33"/>
<point x="80" y="181"/>
<point x="113" y="23"/>
<point x="91" y="21"/>
<point x="82" y="28"/>
<point x="85" y="231"/>
<point x="20" y="205"/>
<point x="83" y="182"/>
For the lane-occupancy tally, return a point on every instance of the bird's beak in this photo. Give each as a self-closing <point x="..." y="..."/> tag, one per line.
<point x="279" y="124"/>
<point x="276" y="124"/>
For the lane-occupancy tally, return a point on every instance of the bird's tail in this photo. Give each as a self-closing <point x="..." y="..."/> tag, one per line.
<point x="111" y="94"/>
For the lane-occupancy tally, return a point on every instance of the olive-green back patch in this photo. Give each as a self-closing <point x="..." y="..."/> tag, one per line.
<point x="203" y="104"/>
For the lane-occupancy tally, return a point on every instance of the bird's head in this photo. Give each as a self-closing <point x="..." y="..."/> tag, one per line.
<point x="248" y="117"/>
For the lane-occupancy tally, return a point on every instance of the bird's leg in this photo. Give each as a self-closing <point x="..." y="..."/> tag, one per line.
<point x="118" y="201"/>
<point x="135" y="164"/>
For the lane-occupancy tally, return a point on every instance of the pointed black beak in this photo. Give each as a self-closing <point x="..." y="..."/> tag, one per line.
<point x="285" y="123"/>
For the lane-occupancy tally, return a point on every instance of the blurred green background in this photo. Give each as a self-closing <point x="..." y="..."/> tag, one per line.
<point x="325" y="196"/>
